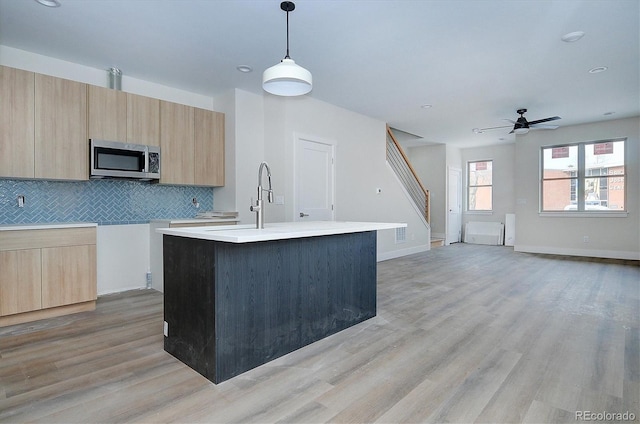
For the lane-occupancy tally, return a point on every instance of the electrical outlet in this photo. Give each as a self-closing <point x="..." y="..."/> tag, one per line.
<point x="585" y="239"/>
<point x="165" y="329"/>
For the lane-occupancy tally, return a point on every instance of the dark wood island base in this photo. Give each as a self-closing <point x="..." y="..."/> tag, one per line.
<point x="230" y="307"/>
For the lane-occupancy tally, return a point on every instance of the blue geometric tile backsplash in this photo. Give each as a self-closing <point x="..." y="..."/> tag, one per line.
<point x="107" y="202"/>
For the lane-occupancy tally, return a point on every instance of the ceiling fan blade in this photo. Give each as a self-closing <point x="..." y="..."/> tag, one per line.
<point x="495" y="128"/>
<point x="543" y="127"/>
<point x="553" y="118"/>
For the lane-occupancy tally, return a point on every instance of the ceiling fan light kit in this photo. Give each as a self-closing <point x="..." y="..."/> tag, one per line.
<point x="287" y="78"/>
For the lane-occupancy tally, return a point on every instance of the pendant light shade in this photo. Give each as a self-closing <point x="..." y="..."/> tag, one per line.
<point x="287" y="78"/>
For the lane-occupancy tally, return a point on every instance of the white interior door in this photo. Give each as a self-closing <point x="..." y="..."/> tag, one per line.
<point x="454" y="206"/>
<point x="314" y="181"/>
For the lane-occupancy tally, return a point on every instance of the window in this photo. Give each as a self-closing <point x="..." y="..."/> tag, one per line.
<point x="480" y="185"/>
<point x="584" y="177"/>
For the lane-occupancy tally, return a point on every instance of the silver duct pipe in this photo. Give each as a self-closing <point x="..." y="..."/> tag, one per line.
<point x="115" y="78"/>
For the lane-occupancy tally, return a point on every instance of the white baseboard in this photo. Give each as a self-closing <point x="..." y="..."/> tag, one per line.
<point x="403" y="252"/>
<point x="593" y="253"/>
<point x="120" y="290"/>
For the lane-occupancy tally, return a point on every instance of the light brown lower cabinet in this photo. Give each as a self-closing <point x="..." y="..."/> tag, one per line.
<point x="20" y="287"/>
<point x="46" y="273"/>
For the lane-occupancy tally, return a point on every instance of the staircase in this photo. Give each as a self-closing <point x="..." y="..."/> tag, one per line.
<point x="399" y="162"/>
<point x="436" y="242"/>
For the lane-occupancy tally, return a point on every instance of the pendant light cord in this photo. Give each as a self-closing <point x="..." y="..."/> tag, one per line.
<point x="287" y="55"/>
<point x="288" y="6"/>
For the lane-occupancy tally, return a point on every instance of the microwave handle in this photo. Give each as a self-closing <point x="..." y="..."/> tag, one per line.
<point x="146" y="159"/>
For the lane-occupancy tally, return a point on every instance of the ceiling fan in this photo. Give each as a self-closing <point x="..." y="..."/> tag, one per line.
<point x="522" y="126"/>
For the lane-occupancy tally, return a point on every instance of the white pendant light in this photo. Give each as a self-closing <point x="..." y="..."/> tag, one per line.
<point x="286" y="78"/>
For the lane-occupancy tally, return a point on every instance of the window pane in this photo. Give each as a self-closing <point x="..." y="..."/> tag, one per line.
<point x="480" y="198"/>
<point x="605" y="158"/>
<point x="480" y="173"/>
<point x="560" y="162"/>
<point x="604" y="193"/>
<point x="557" y="195"/>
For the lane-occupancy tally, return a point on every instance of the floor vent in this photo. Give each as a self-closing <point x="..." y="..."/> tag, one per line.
<point x="401" y="235"/>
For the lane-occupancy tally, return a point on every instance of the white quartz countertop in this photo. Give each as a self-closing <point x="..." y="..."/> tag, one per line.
<point x="195" y="220"/>
<point x="47" y="226"/>
<point x="277" y="231"/>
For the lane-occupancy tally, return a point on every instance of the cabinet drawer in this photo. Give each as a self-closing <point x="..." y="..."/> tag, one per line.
<point x="55" y="237"/>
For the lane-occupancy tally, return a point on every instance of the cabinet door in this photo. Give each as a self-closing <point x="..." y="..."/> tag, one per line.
<point x="143" y="120"/>
<point x="209" y="147"/>
<point x="68" y="275"/>
<point x="61" y="143"/>
<point x="107" y="114"/>
<point x="16" y="121"/>
<point x="20" y="281"/>
<point x="176" y="144"/>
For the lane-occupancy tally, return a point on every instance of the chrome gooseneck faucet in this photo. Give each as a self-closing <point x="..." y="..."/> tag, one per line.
<point x="259" y="206"/>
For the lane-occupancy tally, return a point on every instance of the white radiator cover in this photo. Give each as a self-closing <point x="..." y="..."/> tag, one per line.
<point x="484" y="233"/>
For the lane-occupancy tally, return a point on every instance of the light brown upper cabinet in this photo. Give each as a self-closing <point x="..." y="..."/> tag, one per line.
<point x="47" y="122"/>
<point x="143" y="120"/>
<point x="118" y="116"/>
<point x="192" y="143"/>
<point x="209" y="148"/>
<point x="176" y="144"/>
<point x="16" y="122"/>
<point x="107" y="114"/>
<point x="61" y="142"/>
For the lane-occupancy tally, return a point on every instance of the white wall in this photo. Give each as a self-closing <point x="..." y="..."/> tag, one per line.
<point x="430" y="163"/>
<point x="28" y="61"/>
<point x="503" y="157"/>
<point x="361" y="167"/>
<point x="269" y="126"/>
<point x="122" y="257"/>
<point x="608" y="237"/>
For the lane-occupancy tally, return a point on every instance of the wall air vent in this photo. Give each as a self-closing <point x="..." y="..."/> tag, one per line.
<point x="401" y="235"/>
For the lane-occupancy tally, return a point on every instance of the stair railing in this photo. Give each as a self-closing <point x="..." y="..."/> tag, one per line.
<point x="408" y="177"/>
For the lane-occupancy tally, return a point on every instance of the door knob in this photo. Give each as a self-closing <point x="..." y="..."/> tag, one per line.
<point x="302" y="215"/>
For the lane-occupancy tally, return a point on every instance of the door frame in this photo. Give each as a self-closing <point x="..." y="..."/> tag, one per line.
<point x="447" y="239"/>
<point x="298" y="137"/>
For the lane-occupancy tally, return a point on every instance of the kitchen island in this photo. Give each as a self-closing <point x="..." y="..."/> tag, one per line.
<point x="238" y="297"/>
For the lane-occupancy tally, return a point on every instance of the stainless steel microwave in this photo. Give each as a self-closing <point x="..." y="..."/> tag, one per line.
<point x="112" y="159"/>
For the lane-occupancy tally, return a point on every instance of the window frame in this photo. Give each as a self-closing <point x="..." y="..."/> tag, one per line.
<point x="470" y="186"/>
<point x="580" y="181"/>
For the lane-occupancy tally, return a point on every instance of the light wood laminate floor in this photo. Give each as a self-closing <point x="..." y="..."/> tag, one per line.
<point x="464" y="333"/>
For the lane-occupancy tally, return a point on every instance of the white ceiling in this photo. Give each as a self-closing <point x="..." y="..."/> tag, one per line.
<point x="474" y="61"/>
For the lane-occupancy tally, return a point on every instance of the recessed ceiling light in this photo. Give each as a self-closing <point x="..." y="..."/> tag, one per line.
<point x="598" y="70"/>
<point x="49" y="3"/>
<point x="244" y="68"/>
<point x="572" y="37"/>
<point x="608" y="113"/>
<point x="477" y="131"/>
<point x="427" y="106"/>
